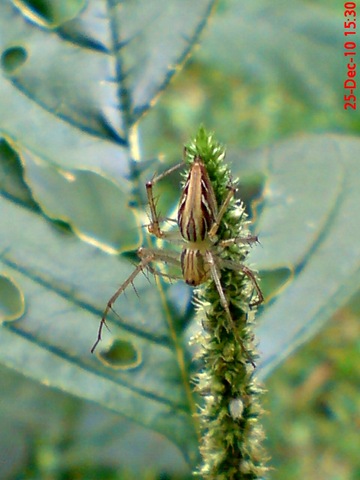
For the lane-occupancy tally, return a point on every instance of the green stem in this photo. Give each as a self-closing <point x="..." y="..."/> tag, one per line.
<point x="229" y="417"/>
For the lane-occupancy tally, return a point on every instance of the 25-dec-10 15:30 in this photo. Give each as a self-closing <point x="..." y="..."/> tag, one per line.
<point x="350" y="53"/>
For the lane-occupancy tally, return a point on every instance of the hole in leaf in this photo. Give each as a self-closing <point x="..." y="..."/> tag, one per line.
<point x="249" y="192"/>
<point x="51" y="13"/>
<point x="11" y="174"/>
<point x="13" y="58"/>
<point x="122" y="354"/>
<point x="61" y="227"/>
<point x="12" y="303"/>
<point x="251" y="186"/>
<point x="274" y="281"/>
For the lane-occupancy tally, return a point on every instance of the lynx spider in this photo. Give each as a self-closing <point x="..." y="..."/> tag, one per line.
<point x="198" y="220"/>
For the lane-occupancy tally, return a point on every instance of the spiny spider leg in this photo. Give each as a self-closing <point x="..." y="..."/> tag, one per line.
<point x="231" y="241"/>
<point x="239" y="240"/>
<point x="141" y="266"/>
<point x="154" y="226"/>
<point x="215" y="227"/>
<point x="250" y="274"/>
<point x="147" y="256"/>
<point x="158" y="254"/>
<point x="216" y="278"/>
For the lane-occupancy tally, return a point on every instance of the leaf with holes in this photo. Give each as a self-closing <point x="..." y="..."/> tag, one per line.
<point x="75" y="83"/>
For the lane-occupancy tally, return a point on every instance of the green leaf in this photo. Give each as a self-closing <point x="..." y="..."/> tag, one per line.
<point x="309" y="226"/>
<point x="73" y="86"/>
<point x="94" y="435"/>
<point x="89" y="202"/>
<point x="65" y="283"/>
<point x="280" y="44"/>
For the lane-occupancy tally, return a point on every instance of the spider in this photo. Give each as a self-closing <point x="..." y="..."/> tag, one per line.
<point x="198" y="219"/>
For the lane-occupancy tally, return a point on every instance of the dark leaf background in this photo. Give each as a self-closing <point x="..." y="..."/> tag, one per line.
<point x="80" y="134"/>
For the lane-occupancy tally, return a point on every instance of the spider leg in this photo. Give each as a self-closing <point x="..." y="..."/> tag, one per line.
<point x="140" y="267"/>
<point x="158" y="254"/>
<point x="250" y="274"/>
<point x="154" y="227"/>
<point x="147" y="255"/>
<point x="214" y="228"/>
<point x="162" y="274"/>
<point x="249" y="240"/>
<point x="216" y="278"/>
<point x="170" y="235"/>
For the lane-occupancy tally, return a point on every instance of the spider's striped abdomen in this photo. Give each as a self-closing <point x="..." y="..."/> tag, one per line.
<point x="197" y="208"/>
<point x="194" y="267"/>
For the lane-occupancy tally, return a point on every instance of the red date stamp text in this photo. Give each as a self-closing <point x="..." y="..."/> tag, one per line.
<point x="349" y="54"/>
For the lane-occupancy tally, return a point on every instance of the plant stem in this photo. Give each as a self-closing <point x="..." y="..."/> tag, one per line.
<point x="232" y="437"/>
